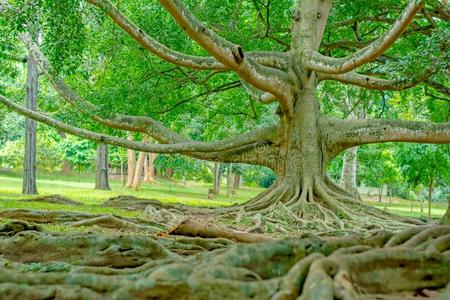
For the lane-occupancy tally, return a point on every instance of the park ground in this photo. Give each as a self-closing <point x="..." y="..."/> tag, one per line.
<point x="80" y="188"/>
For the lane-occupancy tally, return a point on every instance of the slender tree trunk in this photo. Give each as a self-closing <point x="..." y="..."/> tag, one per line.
<point x="229" y="181"/>
<point x="216" y="178"/>
<point x="380" y="193"/>
<point x="430" y="192"/>
<point x="446" y="218"/>
<point x="139" y="167"/>
<point x="237" y="181"/>
<point x="101" y="177"/>
<point x="349" y="167"/>
<point x="29" y="166"/>
<point x="131" y="165"/>
<point x="138" y="172"/>
<point x="151" y="166"/>
<point x="390" y="194"/>
<point x="146" y="168"/>
<point x="421" y="201"/>
<point x="122" y="172"/>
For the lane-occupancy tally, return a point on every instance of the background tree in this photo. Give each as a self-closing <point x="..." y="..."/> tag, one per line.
<point x="428" y="165"/>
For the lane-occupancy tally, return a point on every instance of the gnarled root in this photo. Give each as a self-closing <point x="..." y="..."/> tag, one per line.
<point x="39" y="265"/>
<point x="316" y="205"/>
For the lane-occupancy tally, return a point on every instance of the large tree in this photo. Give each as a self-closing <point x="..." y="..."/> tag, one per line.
<point x="323" y="41"/>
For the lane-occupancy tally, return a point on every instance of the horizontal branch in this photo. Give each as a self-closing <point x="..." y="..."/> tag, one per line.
<point x="325" y="64"/>
<point x="346" y="134"/>
<point x="249" y="138"/>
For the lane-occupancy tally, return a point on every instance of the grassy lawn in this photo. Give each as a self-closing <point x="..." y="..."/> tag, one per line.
<point x="80" y="188"/>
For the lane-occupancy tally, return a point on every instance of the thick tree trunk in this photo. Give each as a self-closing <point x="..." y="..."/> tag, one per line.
<point x="29" y="166"/>
<point x="216" y="178"/>
<point x="101" y="176"/>
<point x="131" y="165"/>
<point x="237" y="181"/>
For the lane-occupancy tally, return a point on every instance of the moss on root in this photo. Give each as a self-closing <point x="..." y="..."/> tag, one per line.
<point x="42" y="265"/>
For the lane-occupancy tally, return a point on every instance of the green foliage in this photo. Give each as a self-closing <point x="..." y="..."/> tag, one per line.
<point x="422" y="164"/>
<point x="79" y="152"/>
<point x="49" y="152"/>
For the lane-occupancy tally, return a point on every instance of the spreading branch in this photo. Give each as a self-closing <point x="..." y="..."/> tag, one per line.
<point x="321" y="63"/>
<point x="182" y="147"/>
<point x="347" y="134"/>
<point x="170" y="55"/>
<point x="267" y="79"/>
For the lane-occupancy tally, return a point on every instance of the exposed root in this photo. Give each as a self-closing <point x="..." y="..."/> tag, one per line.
<point x="56" y="199"/>
<point x="191" y="228"/>
<point x="82" y="219"/>
<point x="40" y="265"/>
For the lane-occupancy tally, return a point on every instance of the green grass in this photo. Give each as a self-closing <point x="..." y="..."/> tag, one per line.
<point x="80" y="188"/>
<point x="403" y="207"/>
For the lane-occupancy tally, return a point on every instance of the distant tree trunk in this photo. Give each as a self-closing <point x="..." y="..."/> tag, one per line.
<point x="348" y="175"/>
<point x="139" y="167"/>
<point x="237" y="181"/>
<point x="380" y="193"/>
<point x="122" y="172"/>
<point x="131" y="165"/>
<point x="430" y="192"/>
<point x="138" y="172"/>
<point x="446" y="218"/>
<point x="390" y="194"/>
<point x="229" y="181"/>
<point x="101" y="176"/>
<point x="29" y="166"/>
<point x="216" y="178"/>
<point x="146" y="168"/>
<point x="421" y="201"/>
<point x="151" y="166"/>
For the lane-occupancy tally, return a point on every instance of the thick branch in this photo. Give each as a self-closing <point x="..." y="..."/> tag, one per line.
<point x="170" y="55"/>
<point x="318" y="62"/>
<point x="270" y="80"/>
<point x="346" y="134"/>
<point x="182" y="147"/>
<point x="154" y="46"/>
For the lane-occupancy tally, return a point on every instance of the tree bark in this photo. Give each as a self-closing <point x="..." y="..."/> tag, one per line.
<point x="348" y="175"/>
<point x="380" y="193"/>
<point x="446" y="218"/>
<point x="102" y="176"/>
<point x="237" y="181"/>
<point x="151" y="166"/>
<point x="131" y="165"/>
<point x="146" y="169"/>
<point x="229" y="181"/>
<point x="29" y="166"/>
<point x="217" y="178"/>
<point x="430" y="192"/>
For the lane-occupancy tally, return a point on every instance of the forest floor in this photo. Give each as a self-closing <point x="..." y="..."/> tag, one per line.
<point x="88" y="244"/>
